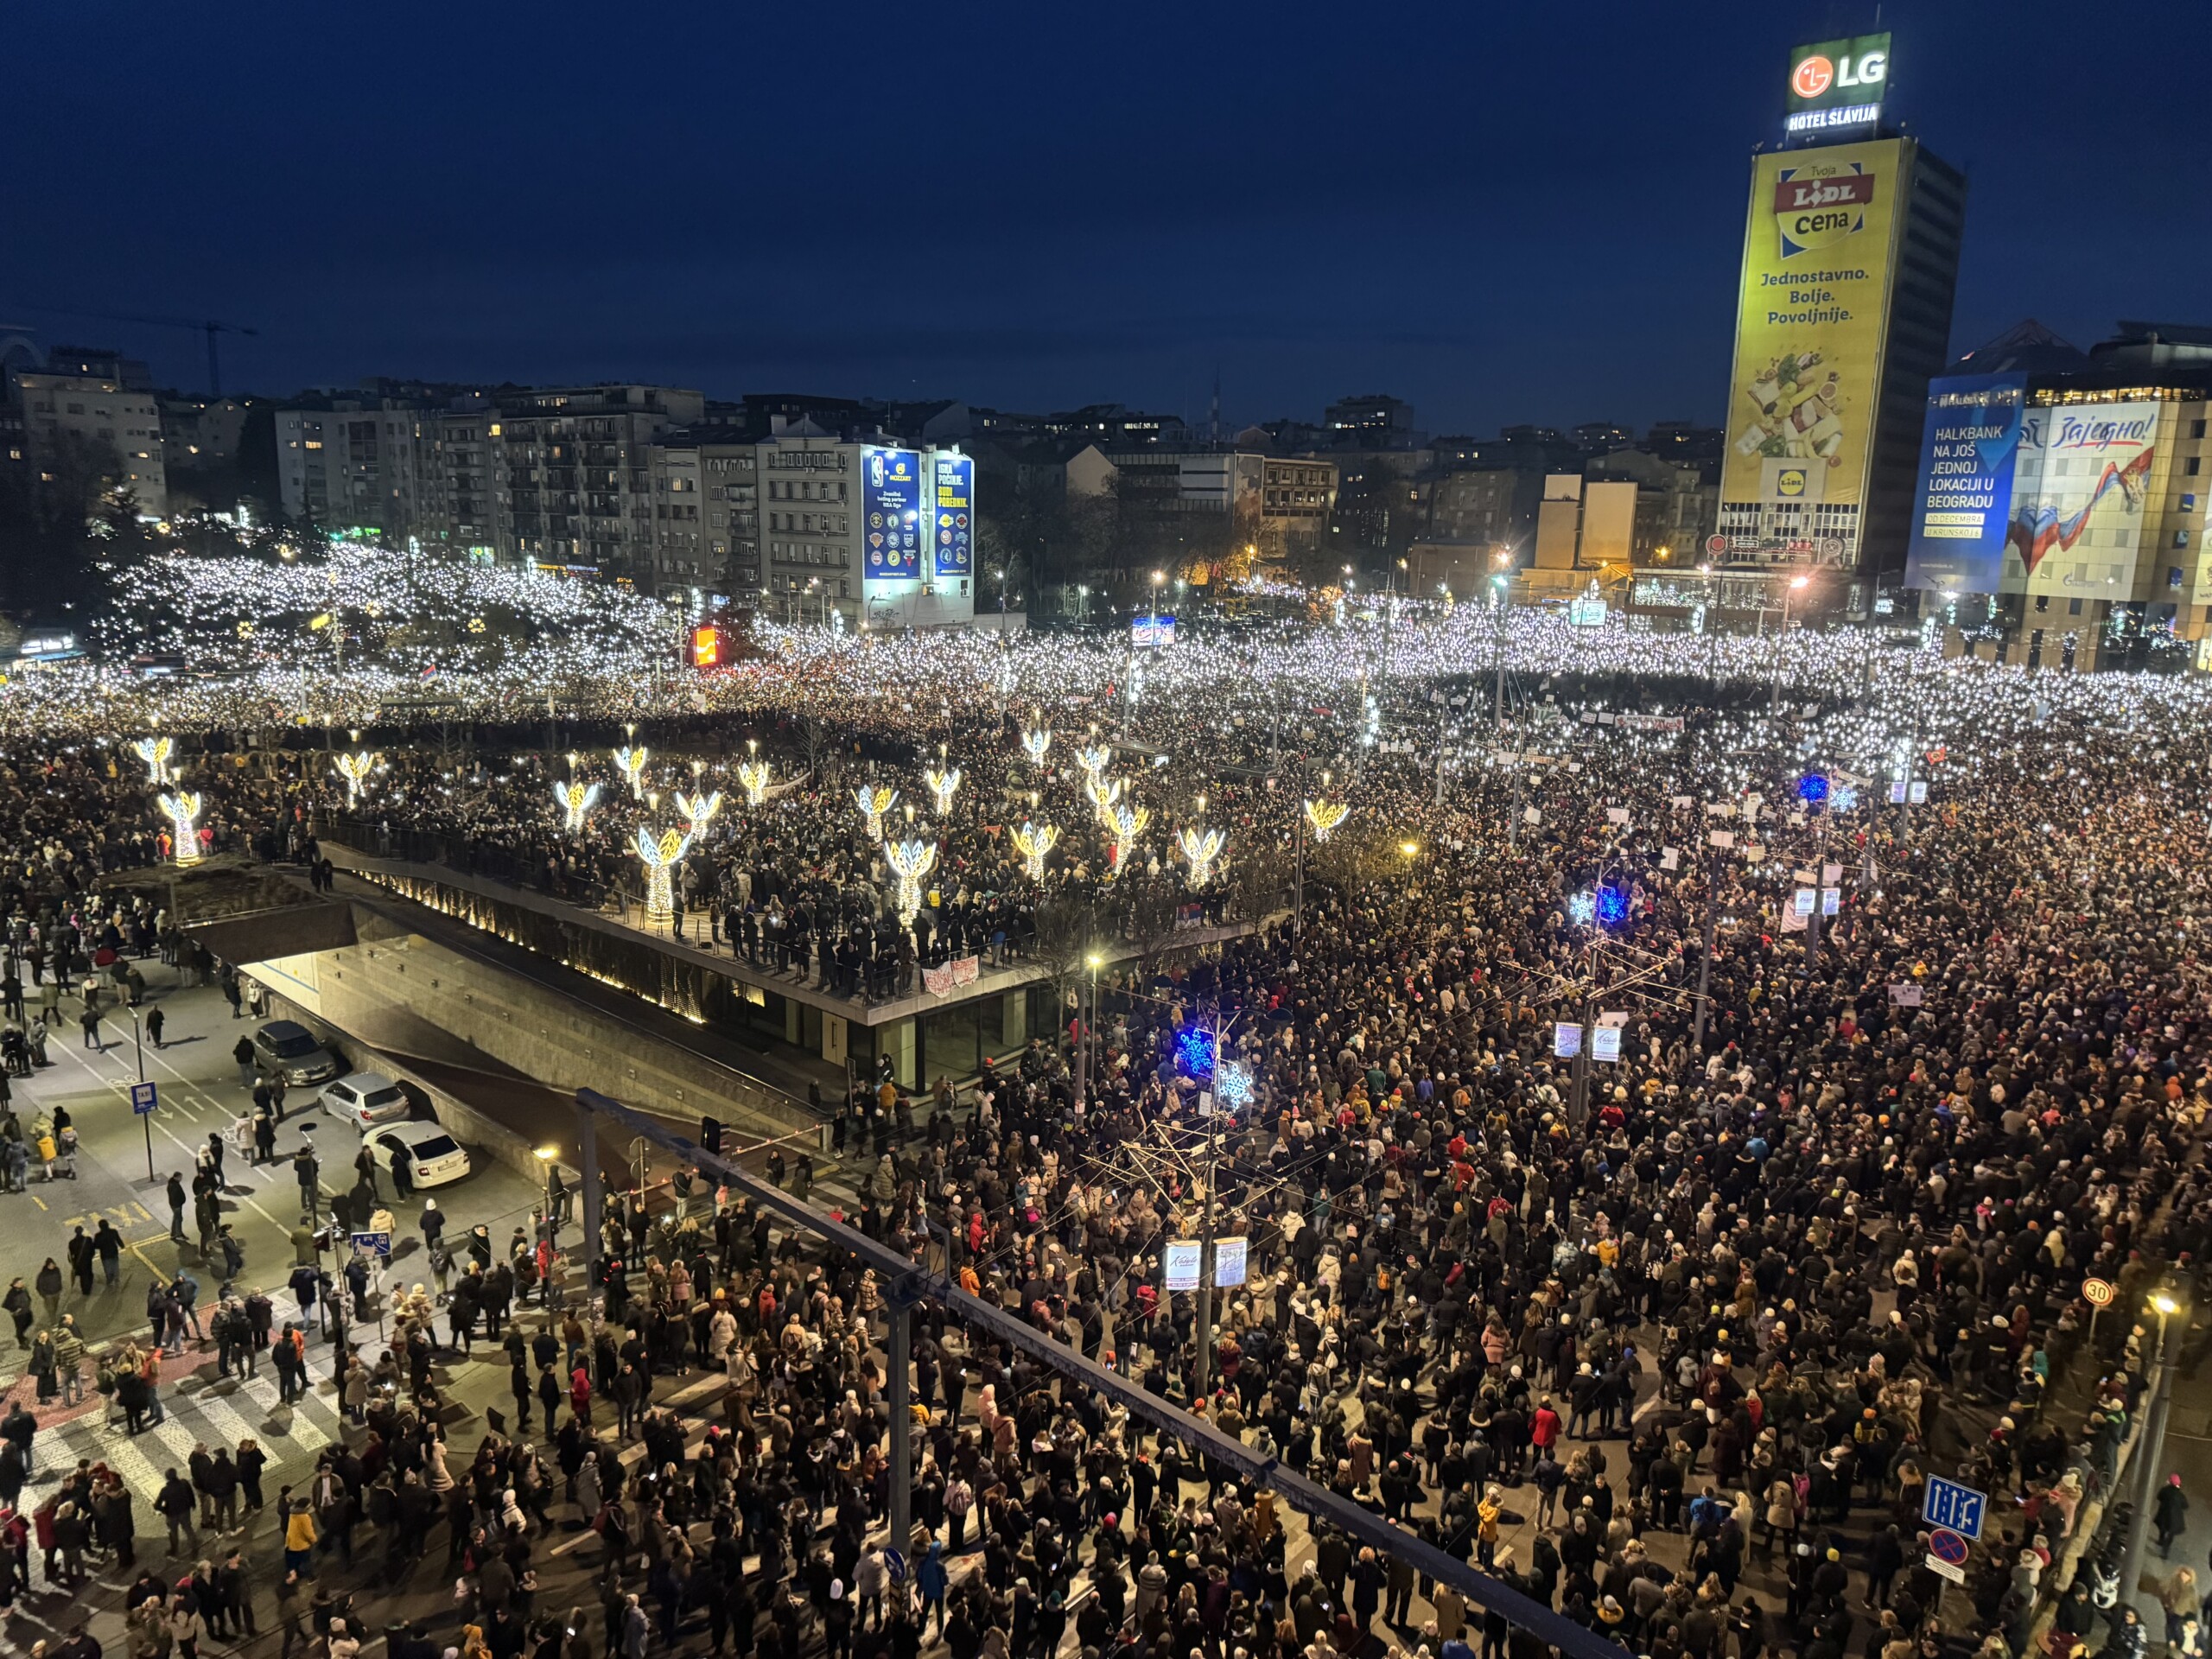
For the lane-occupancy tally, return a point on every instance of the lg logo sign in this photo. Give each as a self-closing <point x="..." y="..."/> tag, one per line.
<point x="1818" y="74"/>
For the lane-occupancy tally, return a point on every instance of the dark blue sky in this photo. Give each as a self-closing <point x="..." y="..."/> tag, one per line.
<point x="1502" y="213"/>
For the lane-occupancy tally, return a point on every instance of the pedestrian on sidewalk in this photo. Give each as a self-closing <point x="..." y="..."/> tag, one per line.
<point x="243" y="1054"/>
<point x="155" y="1021"/>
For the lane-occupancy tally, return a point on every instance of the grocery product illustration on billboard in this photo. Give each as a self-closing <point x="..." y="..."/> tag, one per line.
<point x="2079" y="489"/>
<point x="891" y="499"/>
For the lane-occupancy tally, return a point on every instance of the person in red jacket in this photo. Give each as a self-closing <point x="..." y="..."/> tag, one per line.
<point x="1543" y="1427"/>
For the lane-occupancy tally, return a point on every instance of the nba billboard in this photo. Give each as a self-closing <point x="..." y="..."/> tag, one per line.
<point x="2076" y="525"/>
<point x="1813" y="307"/>
<point x="1969" y="449"/>
<point x="891" y="499"/>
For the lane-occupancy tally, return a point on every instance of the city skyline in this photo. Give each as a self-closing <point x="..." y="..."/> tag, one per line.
<point x="1306" y="224"/>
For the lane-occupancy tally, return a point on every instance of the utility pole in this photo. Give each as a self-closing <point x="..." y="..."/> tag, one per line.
<point x="2150" y="1450"/>
<point x="1497" y="657"/>
<point x="1202" y="1371"/>
<point x="1578" y="1111"/>
<point x="1705" y="955"/>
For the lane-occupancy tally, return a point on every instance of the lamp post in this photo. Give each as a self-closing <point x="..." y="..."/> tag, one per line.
<point x="1797" y="584"/>
<point x="2151" y="1448"/>
<point x="546" y="1156"/>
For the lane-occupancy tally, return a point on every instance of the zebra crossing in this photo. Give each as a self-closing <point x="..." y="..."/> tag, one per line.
<point x="221" y="1413"/>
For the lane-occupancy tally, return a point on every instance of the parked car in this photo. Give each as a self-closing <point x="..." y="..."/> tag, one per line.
<point x="288" y="1049"/>
<point x="433" y="1158"/>
<point x="363" y="1099"/>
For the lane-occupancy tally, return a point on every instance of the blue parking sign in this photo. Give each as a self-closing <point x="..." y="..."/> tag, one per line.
<point x="143" y="1098"/>
<point x="1951" y="1505"/>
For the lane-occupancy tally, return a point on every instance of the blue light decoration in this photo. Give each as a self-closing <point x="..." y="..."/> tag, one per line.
<point x="1611" y="906"/>
<point x="1813" y="789"/>
<point x="1844" y="799"/>
<point x="1194" y="1047"/>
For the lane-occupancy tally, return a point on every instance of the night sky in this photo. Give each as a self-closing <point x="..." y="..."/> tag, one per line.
<point x="1501" y="212"/>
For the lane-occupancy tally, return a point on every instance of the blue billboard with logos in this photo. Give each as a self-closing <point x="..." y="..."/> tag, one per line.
<point x="890" y="504"/>
<point x="952" y="498"/>
<point x="1968" y="446"/>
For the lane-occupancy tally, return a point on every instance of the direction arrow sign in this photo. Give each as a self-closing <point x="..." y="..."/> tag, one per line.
<point x="1950" y="1505"/>
<point x="374" y="1244"/>
<point x="1946" y="1544"/>
<point x="143" y="1098"/>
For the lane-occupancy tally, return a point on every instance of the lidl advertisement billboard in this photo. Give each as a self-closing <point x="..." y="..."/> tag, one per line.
<point x="2076" y="525"/>
<point x="952" y="500"/>
<point x="1819" y="256"/>
<point x="1836" y="86"/>
<point x="891" y="499"/>
<point x="1969" y="449"/>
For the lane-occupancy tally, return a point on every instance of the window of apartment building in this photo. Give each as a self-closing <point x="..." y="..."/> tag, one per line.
<point x="76" y="409"/>
<point x="2196" y="428"/>
<point x="2190" y="465"/>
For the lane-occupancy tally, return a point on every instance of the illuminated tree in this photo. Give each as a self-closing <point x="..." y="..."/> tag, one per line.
<point x="1034" y="742"/>
<point x="873" y="801"/>
<point x="155" y="751"/>
<point x="630" y="763"/>
<point x="753" y="775"/>
<point x="1325" y="815"/>
<point x="1127" y="823"/>
<point x="942" y="785"/>
<point x="698" y="812"/>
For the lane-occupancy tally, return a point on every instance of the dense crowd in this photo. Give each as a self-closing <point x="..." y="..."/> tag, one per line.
<point x="1670" y="1342"/>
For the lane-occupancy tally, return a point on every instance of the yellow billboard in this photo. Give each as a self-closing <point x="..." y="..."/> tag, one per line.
<point x="1820" y="257"/>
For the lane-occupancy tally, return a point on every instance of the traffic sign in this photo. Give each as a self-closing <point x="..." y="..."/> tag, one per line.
<point x="143" y="1098"/>
<point x="1946" y="1544"/>
<point x="373" y="1244"/>
<point x="1957" y="1508"/>
<point x="894" y="1562"/>
<point x="2097" y="1292"/>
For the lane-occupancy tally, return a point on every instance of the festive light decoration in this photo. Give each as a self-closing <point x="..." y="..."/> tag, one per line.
<point x="1034" y="742"/>
<point x="630" y="763"/>
<point x="1127" y="825"/>
<point x="753" y="775"/>
<point x="1103" y="794"/>
<point x="1232" y="1085"/>
<point x="943" y="784"/>
<point x="1032" y="842"/>
<point x="910" y="861"/>
<point x="659" y="856"/>
<point x="156" y="752"/>
<point x="873" y="801"/>
<point x="354" y="767"/>
<point x="574" y="799"/>
<point x="182" y="809"/>
<point x="1325" y="815"/>
<point x="1201" y="848"/>
<point x="698" y="811"/>
<point x="1094" y="759"/>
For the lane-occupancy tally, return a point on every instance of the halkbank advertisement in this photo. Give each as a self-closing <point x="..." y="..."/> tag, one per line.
<point x="1819" y="251"/>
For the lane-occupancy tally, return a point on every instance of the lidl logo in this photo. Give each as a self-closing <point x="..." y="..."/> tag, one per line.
<point x="1821" y="204"/>
<point x="1812" y="76"/>
<point x="1790" y="482"/>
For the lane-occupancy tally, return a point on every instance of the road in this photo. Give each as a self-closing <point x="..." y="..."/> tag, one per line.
<point x="200" y="1094"/>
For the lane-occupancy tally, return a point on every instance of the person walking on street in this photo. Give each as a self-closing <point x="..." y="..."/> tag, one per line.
<point x="155" y="1020"/>
<point x="243" y="1054"/>
<point x="2171" y="1513"/>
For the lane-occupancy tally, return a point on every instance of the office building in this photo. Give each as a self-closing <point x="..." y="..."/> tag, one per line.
<point x="1851" y="257"/>
<point x="1280" y="504"/>
<point x="2063" y="496"/>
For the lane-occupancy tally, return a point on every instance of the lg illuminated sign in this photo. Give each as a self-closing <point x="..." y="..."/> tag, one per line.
<point x="1838" y="84"/>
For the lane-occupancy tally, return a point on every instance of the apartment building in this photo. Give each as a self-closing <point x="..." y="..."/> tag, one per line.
<point x="89" y="408"/>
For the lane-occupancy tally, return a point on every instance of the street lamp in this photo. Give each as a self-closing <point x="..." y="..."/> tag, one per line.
<point x="1797" y="584"/>
<point x="2150" y="1447"/>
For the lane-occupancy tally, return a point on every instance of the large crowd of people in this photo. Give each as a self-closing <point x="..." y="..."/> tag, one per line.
<point x="1668" y="1335"/>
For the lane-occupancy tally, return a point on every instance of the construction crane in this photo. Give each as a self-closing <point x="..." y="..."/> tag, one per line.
<point x="209" y="326"/>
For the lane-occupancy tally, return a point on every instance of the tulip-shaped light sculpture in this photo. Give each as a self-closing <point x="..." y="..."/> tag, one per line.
<point x="630" y="763"/>
<point x="355" y="767"/>
<point x="1032" y="842"/>
<point x="1127" y="822"/>
<point x="873" y="801"/>
<point x="156" y="752"/>
<point x="574" y="799"/>
<point x="1034" y="742"/>
<point x="184" y="808"/>
<point x="660" y="856"/>
<point x="698" y="811"/>
<point x="910" y="861"/>
<point x="943" y="786"/>
<point x="753" y="774"/>
<point x="1201" y="848"/>
<point x="1325" y="815"/>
